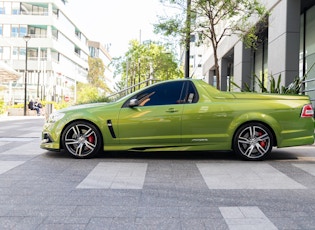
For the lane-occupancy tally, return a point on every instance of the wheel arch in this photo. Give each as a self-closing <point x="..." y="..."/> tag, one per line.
<point x="274" y="137"/>
<point x="264" y="119"/>
<point x="78" y="120"/>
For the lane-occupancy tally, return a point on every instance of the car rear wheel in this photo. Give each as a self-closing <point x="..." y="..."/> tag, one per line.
<point x="81" y="139"/>
<point x="253" y="141"/>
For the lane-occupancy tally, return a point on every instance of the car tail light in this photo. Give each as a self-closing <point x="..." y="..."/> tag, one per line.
<point x="307" y="111"/>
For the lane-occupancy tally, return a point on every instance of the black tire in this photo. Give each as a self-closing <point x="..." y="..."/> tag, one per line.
<point x="253" y="141"/>
<point x="81" y="139"/>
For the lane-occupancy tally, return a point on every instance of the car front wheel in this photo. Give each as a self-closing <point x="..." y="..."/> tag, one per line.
<point x="81" y="139"/>
<point x="253" y="141"/>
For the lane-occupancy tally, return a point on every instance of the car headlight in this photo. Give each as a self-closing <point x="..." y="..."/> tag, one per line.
<point x="56" y="116"/>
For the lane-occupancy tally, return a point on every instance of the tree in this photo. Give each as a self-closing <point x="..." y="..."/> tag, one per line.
<point x="96" y="76"/>
<point x="212" y="20"/>
<point x="145" y="62"/>
<point x="90" y="92"/>
<point x="86" y="93"/>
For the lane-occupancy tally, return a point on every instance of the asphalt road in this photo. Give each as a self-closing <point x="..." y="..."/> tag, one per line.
<point x="40" y="189"/>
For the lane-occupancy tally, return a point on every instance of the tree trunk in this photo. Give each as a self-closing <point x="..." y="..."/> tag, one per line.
<point x="217" y="67"/>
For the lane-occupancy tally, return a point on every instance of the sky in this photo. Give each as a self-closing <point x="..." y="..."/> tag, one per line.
<point x="116" y="22"/>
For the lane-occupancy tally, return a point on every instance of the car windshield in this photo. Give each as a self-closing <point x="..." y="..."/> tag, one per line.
<point x="117" y="97"/>
<point x="125" y="93"/>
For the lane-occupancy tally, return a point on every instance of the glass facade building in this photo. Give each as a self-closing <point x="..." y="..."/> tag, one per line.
<point x="286" y="50"/>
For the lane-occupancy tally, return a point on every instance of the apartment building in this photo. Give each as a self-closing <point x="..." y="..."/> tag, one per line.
<point x="97" y="50"/>
<point x="196" y="57"/>
<point x="57" y="50"/>
<point x="287" y="49"/>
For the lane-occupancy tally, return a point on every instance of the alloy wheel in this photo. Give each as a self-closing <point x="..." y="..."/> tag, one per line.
<point x="81" y="140"/>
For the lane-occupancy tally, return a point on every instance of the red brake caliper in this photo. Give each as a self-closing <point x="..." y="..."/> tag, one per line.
<point x="91" y="139"/>
<point x="262" y="143"/>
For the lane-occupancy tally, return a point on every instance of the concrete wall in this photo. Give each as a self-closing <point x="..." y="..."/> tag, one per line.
<point x="242" y="64"/>
<point x="284" y="40"/>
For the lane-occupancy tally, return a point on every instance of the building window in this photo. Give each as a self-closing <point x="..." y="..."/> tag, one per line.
<point x="22" y="53"/>
<point x="307" y="51"/>
<point x="193" y="38"/>
<point x="15" y="53"/>
<point x="6" y="53"/>
<point x="77" y="51"/>
<point x="260" y="63"/>
<point x="32" y="53"/>
<point x="43" y="54"/>
<point x="15" y="8"/>
<point x="18" y="30"/>
<point x="23" y="30"/>
<point x="78" y="34"/>
<point x="14" y="31"/>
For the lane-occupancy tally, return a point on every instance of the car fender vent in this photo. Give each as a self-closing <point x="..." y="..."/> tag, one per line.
<point x="111" y="129"/>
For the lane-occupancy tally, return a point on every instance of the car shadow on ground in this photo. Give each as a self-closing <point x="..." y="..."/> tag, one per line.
<point x="178" y="155"/>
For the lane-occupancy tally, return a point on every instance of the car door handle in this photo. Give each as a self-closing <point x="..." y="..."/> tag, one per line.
<point x="171" y="110"/>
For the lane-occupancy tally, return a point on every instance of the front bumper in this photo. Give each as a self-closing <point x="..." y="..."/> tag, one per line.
<point x="48" y="142"/>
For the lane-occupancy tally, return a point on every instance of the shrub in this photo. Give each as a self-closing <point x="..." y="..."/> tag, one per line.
<point x="2" y="107"/>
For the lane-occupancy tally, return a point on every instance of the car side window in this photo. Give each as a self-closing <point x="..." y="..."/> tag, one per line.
<point x="162" y="94"/>
<point x="191" y="94"/>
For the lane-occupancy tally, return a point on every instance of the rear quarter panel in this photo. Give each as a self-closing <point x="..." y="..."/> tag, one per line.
<point x="282" y="116"/>
<point x="215" y="118"/>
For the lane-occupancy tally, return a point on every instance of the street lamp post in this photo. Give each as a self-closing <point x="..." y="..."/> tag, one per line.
<point x="187" y="39"/>
<point x="26" y="39"/>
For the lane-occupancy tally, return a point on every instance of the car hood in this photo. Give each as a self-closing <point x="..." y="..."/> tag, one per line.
<point x="84" y="106"/>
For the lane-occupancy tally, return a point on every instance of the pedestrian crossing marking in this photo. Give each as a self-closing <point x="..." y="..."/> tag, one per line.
<point x="246" y="218"/>
<point x="8" y="165"/>
<point x="28" y="149"/>
<point x="245" y="175"/>
<point x="309" y="168"/>
<point x="115" y="175"/>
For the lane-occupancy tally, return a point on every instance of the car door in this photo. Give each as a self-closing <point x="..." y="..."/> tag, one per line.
<point x="156" y="118"/>
<point x="205" y="122"/>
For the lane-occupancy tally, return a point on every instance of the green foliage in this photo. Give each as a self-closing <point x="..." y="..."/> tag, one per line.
<point x="212" y="20"/>
<point x="96" y="87"/>
<point x="169" y="28"/>
<point x="17" y="106"/>
<point x="96" y="74"/>
<point x="274" y="86"/>
<point x="143" y="62"/>
<point x="56" y="105"/>
<point x="294" y="87"/>
<point x="88" y="94"/>
<point x="2" y="107"/>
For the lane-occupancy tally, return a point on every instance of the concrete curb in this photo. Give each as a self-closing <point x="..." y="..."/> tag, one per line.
<point x="14" y="118"/>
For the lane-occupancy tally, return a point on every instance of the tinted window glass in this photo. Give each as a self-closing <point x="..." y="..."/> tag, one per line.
<point x="162" y="94"/>
<point x="191" y="95"/>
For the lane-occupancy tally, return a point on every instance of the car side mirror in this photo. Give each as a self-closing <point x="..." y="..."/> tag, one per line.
<point x="133" y="102"/>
